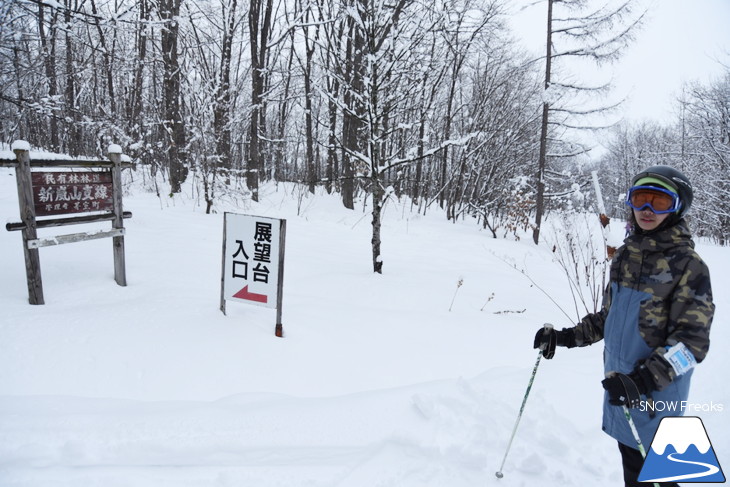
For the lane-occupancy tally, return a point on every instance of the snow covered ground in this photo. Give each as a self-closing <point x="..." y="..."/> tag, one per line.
<point x="376" y="382"/>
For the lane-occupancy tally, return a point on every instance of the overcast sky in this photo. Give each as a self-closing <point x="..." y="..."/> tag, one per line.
<point x="681" y="41"/>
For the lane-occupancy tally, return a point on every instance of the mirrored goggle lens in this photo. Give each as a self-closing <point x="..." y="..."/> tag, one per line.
<point x="659" y="200"/>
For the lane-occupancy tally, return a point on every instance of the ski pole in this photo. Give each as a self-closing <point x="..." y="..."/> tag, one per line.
<point x="499" y="473"/>
<point x="632" y="426"/>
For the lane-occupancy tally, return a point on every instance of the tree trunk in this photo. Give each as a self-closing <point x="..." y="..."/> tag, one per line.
<point x="173" y="123"/>
<point x="222" y="107"/>
<point x="332" y="162"/>
<point x="351" y="122"/>
<point x="542" y="162"/>
<point x="378" y="196"/>
<point x="280" y="148"/>
<point x="447" y="136"/>
<point x="136" y="103"/>
<point x="48" y="45"/>
<point x="74" y="130"/>
<point x="259" y="23"/>
<point x="333" y="89"/>
<point x="419" y="164"/>
<point x="108" y="63"/>
<point x="309" y="126"/>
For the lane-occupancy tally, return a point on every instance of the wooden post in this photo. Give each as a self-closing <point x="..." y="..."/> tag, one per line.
<point x="27" y="215"/>
<point x="223" y="268"/>
<point x="279" y="329"/>
<point x="120" y="272"/>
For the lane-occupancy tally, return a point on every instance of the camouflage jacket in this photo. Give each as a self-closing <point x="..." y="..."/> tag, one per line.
<point x="676" y="304"/>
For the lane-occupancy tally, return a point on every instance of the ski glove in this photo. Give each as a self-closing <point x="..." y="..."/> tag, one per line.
<point x="626" y="390"/>
<point x="547" y="339"/>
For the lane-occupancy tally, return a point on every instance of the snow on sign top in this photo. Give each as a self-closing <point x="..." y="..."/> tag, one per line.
<point x="114" y="149"/>
<point x="20" y="145"/>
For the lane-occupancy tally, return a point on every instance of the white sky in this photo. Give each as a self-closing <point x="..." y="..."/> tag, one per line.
<point x="681" y="41"/>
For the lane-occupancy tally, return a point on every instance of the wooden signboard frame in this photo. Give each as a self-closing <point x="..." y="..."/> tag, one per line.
<point x="84" y="195"/>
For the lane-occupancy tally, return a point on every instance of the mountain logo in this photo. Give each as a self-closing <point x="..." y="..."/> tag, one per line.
<point x="681" y="450"/>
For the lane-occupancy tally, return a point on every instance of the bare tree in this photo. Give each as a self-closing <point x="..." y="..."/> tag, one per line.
<point x="352" y="84"/>
<point x="223" y="98"/>
<point x="310" y="31"/>
<point x="73" y="113"/>
<point x="260" y="25"/>
<point x="48" y="48"/>
<point x="505" y="109"/>
<point x="389" y="47"/>
<point x="333" y="29"/>
<point x="135" y="101"/>
<point x="706" y="126"/>
<point x="210" y="95"/>
<point x="698" y="144"/>
<point x="577" y="33"/>
<point x="173" y="122"/>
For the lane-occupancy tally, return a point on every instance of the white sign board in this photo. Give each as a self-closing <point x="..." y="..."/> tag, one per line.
<point x="253" y="260"/>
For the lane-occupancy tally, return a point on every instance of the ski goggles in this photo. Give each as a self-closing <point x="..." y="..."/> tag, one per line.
<point x="658" y="200"/>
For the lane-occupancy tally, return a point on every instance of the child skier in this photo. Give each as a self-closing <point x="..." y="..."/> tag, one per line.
<point x="655" y="318"/>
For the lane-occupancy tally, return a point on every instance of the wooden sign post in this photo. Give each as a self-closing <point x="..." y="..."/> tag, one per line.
<point x="120" y="272"/>
<point x="27" y="217"/>
<point x="94" y="188"/>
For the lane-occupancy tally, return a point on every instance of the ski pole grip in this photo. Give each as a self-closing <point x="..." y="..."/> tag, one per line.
<point x="546" y="328"/>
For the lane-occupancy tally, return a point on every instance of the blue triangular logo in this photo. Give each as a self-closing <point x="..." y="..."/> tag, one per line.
<point x="681" y="451"/>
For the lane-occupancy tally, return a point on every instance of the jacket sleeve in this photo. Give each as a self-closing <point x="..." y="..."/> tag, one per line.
<point x="690" y="316"/>
<point x="590" y="328"/>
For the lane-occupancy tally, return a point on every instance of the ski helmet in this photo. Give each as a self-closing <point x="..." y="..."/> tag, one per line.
<point x="671" y="179"/>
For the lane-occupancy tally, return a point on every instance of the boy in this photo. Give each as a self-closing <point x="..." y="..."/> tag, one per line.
<point x="656" y="315"/>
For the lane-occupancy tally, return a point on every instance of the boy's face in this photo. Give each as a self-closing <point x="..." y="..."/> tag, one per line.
<point x="648" y="220"/>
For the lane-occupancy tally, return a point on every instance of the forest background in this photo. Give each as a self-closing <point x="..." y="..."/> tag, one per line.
<point x="435" y="101"/>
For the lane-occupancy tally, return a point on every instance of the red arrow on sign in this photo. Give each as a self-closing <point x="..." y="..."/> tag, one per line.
<point x="244" y="294"/>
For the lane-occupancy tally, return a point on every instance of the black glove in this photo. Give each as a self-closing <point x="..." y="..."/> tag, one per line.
<point x="626" y="390"/>
<point x="547" y="339"/>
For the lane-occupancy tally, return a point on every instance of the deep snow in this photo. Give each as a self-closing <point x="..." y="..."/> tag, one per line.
<point x="376" y="382"/>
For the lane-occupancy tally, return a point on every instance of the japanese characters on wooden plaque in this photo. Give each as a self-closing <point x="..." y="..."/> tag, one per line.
<point x="57" y="193"/>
